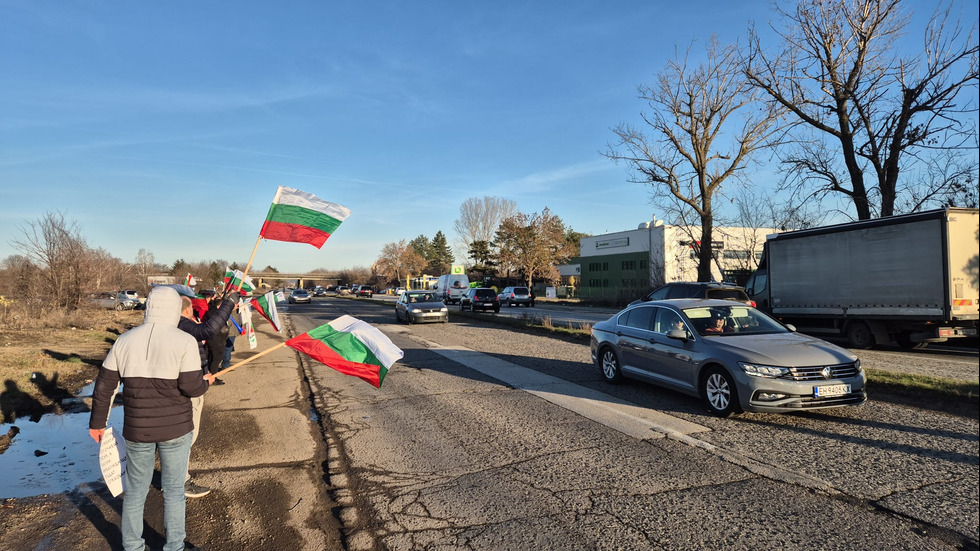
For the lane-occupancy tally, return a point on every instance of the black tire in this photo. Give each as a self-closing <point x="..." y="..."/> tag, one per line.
<point x="859" y="335"/>
<point x="398" y="317"/>
<point x="609" y="366"/>
<point x="496" y="309"/>
<point x="119" y="307"/>
<point x="905" y="342"/>
<point x="461" y="307"/>
<point x="719" y="393"/>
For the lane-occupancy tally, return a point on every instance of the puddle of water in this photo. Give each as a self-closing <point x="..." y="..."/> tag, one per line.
<point x="54" y="455"/>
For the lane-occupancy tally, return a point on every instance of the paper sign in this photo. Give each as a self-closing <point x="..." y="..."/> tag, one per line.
<point x="113" y="459"/>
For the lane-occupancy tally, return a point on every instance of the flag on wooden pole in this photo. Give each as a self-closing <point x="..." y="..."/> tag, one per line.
<point x="266" y="306"/>
<point x="350" y="346"/>
<point x="302" y="217"/>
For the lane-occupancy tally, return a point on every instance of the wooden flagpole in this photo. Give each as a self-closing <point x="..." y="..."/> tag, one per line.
<point x="255" y="357"/>
<point x="247" y="266"/>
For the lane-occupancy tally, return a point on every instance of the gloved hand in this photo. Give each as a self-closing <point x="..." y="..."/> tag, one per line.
<point x="233" y="297"/>
<point x="96" y="435"/>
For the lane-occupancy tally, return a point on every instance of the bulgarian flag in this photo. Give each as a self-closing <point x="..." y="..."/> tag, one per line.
<point x="350" y="346"/>
<point x="237" y="279"/>
<point x="190" y="281"/>
<point x="302" y="217"/>
<point x="266" y="305"/>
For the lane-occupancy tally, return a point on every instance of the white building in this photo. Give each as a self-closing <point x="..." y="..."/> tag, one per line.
<point x="627" y="264"/>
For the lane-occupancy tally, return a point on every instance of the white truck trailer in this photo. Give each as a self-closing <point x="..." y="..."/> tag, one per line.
<point x="909" y="279"/>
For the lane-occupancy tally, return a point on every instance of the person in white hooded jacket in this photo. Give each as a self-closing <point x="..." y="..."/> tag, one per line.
<point x="159" y="367"/>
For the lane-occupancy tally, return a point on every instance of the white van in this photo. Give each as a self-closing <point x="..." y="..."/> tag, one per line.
<point x="451" y="288"/>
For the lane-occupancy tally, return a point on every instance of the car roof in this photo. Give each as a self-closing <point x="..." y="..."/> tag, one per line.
<point x="682" y="303"/>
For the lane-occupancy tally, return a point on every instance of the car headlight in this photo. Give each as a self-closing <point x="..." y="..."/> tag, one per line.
<point x="444" y="309"/>
<point x="767" y="371"/>
<point x="857" y="365"/>
<point x="414" y="310"/>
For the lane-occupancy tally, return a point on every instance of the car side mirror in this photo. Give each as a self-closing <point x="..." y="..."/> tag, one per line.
<point x="678" y="334"/>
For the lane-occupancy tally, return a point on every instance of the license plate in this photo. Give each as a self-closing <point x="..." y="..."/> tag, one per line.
<point x="829" y="391"/>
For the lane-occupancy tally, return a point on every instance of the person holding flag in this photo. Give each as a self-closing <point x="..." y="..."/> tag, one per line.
<point x="202" y="332"/>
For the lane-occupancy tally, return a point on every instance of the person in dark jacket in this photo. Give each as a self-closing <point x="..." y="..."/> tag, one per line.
<point x="202" y="332"/>
<point x="159" y="368"/>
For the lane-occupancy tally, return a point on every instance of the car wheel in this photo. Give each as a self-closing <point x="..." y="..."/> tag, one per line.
<point x="398" y="317"/>
<point x="609" y="365"/>
<point x="496" y="309"/>
<point x="718" y="392"/>
<point x="859" y="335"/>
<point x="119" y="307"/>
<point x="461" y="307"/>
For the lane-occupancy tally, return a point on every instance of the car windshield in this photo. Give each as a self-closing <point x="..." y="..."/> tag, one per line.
<point x="731" y="320"/>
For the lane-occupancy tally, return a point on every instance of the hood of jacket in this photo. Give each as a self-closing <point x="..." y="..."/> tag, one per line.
<point x="162" y="306"/>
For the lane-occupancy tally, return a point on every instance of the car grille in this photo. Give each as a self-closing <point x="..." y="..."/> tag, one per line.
<point x="815" y="373"/>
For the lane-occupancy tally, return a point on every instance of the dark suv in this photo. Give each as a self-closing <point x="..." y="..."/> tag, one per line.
<point x="699" y="289"/>
<point x="480" y="298"/>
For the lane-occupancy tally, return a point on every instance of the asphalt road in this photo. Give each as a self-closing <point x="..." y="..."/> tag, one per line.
<point x="487" y="438"/>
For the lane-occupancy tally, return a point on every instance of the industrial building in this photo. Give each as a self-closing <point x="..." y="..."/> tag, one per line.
<point x="625" y="265"/>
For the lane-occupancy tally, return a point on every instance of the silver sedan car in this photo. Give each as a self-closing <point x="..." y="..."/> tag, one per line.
<point x="732" y="356"/>
<point x="420" y="306"/>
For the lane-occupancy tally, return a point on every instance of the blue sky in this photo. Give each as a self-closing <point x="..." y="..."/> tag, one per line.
<point x="167" y="126"/>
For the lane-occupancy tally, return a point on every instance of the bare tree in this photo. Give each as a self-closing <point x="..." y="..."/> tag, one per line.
<point x="533" y="245"/>
<point x="398" y="261"/>
<point x="841" y="77"/>
<point x="145" y="266"/>
<point x="56" y="245"/>
<point x="706" y="123"/>
<point x="479" y="219"/>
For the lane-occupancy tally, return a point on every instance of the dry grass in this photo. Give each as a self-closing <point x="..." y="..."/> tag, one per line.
<point x="45" y="360"/>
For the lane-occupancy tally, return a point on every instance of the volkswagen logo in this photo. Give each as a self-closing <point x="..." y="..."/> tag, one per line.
<point x="826" y="372"/>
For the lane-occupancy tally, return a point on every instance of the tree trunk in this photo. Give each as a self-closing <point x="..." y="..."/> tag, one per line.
<point x="704" y="251"/>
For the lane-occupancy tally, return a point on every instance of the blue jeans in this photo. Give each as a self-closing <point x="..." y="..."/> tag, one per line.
<point x="229" y="348"/>
<point x="174" y="455"/>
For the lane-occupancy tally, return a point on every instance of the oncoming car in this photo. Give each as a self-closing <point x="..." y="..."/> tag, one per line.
<point x="297" y="296"/>
<point x="420" y="306"/>
<point x="732" y="356"/>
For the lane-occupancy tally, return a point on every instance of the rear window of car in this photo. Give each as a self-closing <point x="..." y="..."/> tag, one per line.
<point x="520" y="290"/>
<point x="728" y="294"/>
<point x="484" y="293"/>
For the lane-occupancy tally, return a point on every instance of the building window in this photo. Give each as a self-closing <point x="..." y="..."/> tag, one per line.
<point x="629" y="265"/>
<point x="736" y="255"/>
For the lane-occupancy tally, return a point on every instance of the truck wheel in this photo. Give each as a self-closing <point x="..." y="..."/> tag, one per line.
<point x="859" y="335"/>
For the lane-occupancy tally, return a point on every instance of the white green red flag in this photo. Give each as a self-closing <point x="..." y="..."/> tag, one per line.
<point x="302" y="217"/>
<point x="237" y="279"/>
<point x="266" y="305"/>
<point x="190" y="281"/>
<point x="350" y="346"/>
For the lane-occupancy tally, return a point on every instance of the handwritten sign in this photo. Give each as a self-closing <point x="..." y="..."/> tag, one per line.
<point x="112" y="460"/>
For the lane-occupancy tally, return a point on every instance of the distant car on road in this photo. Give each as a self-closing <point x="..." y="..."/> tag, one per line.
<point x="520" y="296"/>
<point x="319" y="291"/>
<point x="480" y="298"/>
<point x="116" y="300"/>
<point x="297" y="296"/>
<point x="365" y="291"/>
<point x="420" y="306"/>
<point x="732" y="356"/>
